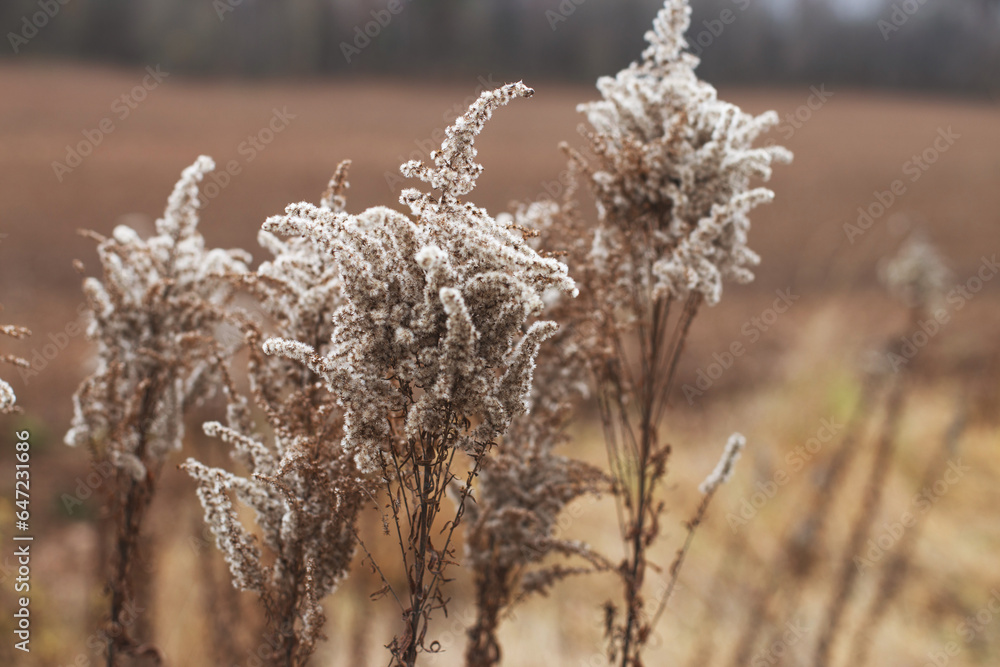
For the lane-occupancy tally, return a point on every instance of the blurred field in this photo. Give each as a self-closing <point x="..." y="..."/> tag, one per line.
<point x="800" y="369"/>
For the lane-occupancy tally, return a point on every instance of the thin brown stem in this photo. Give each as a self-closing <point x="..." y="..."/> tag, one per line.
<point x="675" y="567"/>
<point x="872" y="499"/>
<point x="898" y="567"/>
<point x="803" y="542"/>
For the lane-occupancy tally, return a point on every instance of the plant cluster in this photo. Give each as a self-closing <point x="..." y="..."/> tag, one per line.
<point x="671" y="179"/>
<point x="427" y="365"/>
<point x="154" y="312"/>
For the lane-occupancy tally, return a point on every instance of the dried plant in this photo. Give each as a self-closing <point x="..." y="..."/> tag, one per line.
<point x="805" y="543"/>
<point x="7" y="397"/>
<point x="304" y="486"/>
<point x="898" y="567"/>
<point x="524" y="485"/>
<point x="672" y="176"/>
<point x="672" y="183"/>
<point x="300" y="288"/>
<point x="720" y="475"/>
<point x="845" y="580"/>
<point x="306" y="496"/>
<point x="400" y="353"/>
<point x="153" y="313"/>
<point x="918" y="276"/>
<point x="432" y="350"/>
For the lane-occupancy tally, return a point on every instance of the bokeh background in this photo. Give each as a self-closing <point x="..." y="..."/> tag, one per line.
<point x="104" y="102"/>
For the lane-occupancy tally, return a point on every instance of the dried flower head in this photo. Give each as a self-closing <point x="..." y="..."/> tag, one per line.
<point x="524" y="484"/>
<point x="917" y="275"/>
<point x="152" y="315"/>
<point x="724" y="469"/>
<point x="300" y="287"/>
<point x="7" y="397"/>
<point x="433" y="308"/>
<point x="298" y="290"/>
<point x="673" y="173"/>
<point x="306" y="495"/>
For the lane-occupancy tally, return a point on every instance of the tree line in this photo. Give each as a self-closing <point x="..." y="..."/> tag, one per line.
<point x="923" y="44"/>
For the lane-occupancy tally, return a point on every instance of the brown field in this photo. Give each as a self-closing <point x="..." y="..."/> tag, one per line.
<point x="804" y="368"/>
